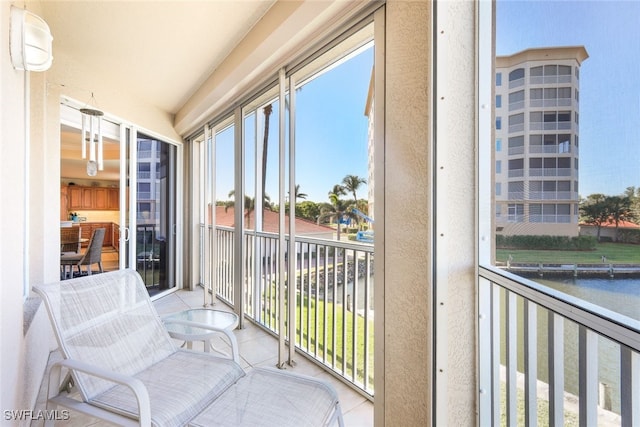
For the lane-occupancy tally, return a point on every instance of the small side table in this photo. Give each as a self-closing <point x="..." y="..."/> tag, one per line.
<point x="202" y="324"/>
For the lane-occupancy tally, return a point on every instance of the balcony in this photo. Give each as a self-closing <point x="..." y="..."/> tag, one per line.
<point x="334" y="295"/>
<point x="526" y="332"/>
<point x="257" y="348"/>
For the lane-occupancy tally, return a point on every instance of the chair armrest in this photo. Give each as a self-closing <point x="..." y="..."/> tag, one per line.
<point x="134" y="384"/>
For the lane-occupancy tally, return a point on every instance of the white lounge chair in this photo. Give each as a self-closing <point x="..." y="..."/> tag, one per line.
<point x="128" y="370"/>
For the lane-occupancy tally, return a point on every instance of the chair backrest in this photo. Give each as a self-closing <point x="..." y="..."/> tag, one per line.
<point x="106" y="320"/>
<point x="94" y="250"/>
<point x="70" y="239"/>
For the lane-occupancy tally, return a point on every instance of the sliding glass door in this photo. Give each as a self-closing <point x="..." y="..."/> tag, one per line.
<point x="149" y="185"/>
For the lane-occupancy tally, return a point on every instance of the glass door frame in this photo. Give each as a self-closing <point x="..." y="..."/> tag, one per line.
<point x="128" y="202"/>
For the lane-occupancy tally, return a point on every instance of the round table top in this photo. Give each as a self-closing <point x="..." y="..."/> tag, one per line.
<point x="187" y="324"/>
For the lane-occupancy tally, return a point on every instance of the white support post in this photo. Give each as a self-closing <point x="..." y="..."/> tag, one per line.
<point x="588" y="377"/>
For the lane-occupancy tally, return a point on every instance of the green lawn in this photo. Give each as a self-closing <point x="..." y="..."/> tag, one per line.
<point x="334" y="317"/>
<point x="616" y="253"/>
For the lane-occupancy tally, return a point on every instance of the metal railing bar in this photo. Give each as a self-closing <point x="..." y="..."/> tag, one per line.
<point x="485" y="348"/>
<point x="495" y="352"/>
<point x="555" y="345"/>
<point x="511" y="339"/>
<point x="588" y="377"/>
<point x="605" y="322"/>
<point x="629" y="387"/>
<point x="326" y="310"/>
<point x="531" y="363"/>
<point x="344" y="310"/>
<point x="365" y="368"/>
<point x="354" y="317"/>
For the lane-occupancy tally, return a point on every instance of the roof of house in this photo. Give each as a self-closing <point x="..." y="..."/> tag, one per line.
<point x="225" y="217"/>
<point x="612" y="224"/>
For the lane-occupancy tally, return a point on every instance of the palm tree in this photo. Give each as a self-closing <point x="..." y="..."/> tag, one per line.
<point x="351" y="183"/>
<point x="249" y="205"/>
<point x="336" y="210"/>
<point x="265" y="145"/>
<point x="300" y="195"/>
<point x="338" y="190"/>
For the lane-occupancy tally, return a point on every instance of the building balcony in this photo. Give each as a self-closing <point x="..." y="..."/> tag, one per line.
<point x="542" y="348"/>
<point x="257" y="348"/>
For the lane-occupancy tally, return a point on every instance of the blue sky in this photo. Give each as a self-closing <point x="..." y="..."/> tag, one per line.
<point x="331" y="135"/>
<point x="609" y="78"/>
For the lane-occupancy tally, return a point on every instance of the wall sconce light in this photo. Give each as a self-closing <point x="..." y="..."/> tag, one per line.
<point x="30" y="41"/>
<point x="92" y="136"/>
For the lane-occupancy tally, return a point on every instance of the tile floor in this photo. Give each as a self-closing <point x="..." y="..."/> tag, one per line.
<point x="257" y="348"/>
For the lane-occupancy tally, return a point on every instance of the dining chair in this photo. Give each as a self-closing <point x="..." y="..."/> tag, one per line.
<point x="93" y="254"/>
<point x="70" y="240"/>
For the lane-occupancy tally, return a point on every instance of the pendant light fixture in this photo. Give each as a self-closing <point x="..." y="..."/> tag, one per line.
<point x="92" y="136"/>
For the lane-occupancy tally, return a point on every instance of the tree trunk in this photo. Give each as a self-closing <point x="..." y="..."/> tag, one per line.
<point x="265" y="146"/>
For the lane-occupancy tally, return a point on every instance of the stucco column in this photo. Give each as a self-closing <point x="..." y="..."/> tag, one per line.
<point x="427" y="331"/>
<point x="404" y="396"/>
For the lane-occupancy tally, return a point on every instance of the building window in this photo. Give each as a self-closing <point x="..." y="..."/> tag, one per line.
<point x="499" y="144"/>
<point x="498" y="79"/>
<point x="516" y="190"/>
<point x="144" y="191"/>
<point x="144" y="170"/>
<point x="498" y="189"/>
<point x="516" y="74"/>
<point x="498" y="101"/>
<point x="516" y="122"/>
<point x="498" y="123"/>
<point x="516" y="100"/>
<point x="515" y="212"/>
<point x="516" y="145"/>
<point x="498" y="166"/>
<point x="516" y="168"/>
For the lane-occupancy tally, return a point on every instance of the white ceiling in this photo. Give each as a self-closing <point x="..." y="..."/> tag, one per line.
<point x="159" y="52"/>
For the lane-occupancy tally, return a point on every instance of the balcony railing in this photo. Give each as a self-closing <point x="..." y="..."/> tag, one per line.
<point x="526" y="332"/>
<point x="334" y="288"/>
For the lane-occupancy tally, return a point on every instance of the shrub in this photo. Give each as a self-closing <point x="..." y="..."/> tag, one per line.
<point x="565" y="243"/>
<point x="629" y="236"/>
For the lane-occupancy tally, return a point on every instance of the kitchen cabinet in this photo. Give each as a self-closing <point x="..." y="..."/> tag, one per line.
<point x="64" y="202"/>
<point x="100" y="199"/>
<point x="92" y="198"/>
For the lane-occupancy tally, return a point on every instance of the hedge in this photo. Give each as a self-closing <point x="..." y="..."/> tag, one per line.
<point x="580" y="243"/>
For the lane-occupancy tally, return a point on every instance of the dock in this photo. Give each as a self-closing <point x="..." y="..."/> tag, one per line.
<point x="574" y="270"/>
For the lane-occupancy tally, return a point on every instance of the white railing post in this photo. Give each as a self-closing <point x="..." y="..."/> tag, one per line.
<point x="588" y="377"/>
<point x="531" y="363"/>
<point x="555" y="345"/>
<point x="485" y="354"/>
<point x="629" y="387"/>
<point x="511" y="321"/>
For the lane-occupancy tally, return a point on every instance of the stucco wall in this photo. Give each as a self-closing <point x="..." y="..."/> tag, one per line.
<point x="429" y="249"/>
<point x="12" y="219"/>
<point x="407" y="218"/>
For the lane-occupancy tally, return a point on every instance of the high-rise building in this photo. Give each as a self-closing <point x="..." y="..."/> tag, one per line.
<point x="536" y="148"/>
